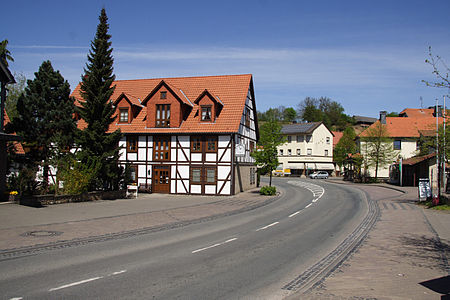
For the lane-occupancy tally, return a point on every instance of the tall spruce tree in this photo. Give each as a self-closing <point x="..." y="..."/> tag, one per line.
<point x="45" y="119"/>
<point x="99" y="146"/>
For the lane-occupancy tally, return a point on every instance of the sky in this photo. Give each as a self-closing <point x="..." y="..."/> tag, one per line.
<point x="367" y="55"/>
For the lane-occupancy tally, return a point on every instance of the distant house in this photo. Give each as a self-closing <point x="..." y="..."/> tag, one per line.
<point x="190" y="135"/>
<point x="405" y="132"/>
<point x="364" y="121"/>
<point x="309" y="148"/>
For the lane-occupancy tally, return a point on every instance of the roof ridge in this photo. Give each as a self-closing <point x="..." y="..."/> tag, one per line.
<point x="182" y="77"/>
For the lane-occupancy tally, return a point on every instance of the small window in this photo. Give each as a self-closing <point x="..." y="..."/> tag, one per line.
<point x="299" y="138"/>
<point x="289" y="139"/>
<point x="289" y="152"/>
<point x="309" y="139"/>
<point x="161" y="148"/>
<point x="397" y="144"/>
<point x="328" y="140"/>
<point x="326" y="152"/>
<point x="247" y="117"/>
<point x="252" y="146"/>
<point x="210" y="175"/>
<point x="299" y="152"/>
<point x="132" y="144"/>
<point x="196" y="144"/>
<point x="196" y="175"/>
<point x="206" y="113"/>
<point x="123" y="115"/>
<point x="281" y="152"/>
<point x="133" y="173"/>
<point x="309" y="151"/>
<point x="163" y="95"/>
<point x="211" y="144"/>
<point x="162" y="115"/>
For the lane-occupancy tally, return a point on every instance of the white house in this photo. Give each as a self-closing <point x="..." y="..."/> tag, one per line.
<point x="309" y="148"/>
<point x="405" y="132"/>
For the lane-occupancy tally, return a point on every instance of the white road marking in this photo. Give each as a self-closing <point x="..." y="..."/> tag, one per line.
<point x="267" y="226"/>
<point x="74" y="283"/>
<point x="294" y="214"/>
<point x="119" y="272"/>
<point x="308" y="205"/>
<point x="17" y="298"/>
<point x="215" y="245"/>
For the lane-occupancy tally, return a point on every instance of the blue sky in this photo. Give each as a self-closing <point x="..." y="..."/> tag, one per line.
<point x="367" y="55"/>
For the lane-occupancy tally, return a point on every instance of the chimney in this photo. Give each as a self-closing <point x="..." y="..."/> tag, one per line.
<point x="439" y="111"/>
<point x="383" y="117"/>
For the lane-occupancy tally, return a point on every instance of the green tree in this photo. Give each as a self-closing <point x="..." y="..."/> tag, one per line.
<point x="345" y="146"/>
<point x="14" y="91"/>
<point x="392" y="114"/>
<point x="5" y="55"/>
<point x="97" y="144"/>
<point x="378" y="147"/>
<point x="266" y="156"/>
<point x="331" y="113"/>
<point x="289" y="115"/>
<point x="45" y="118"/>
<point x="308" y="110"/>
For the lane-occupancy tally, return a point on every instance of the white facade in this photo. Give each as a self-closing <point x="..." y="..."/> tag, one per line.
<point x="307" y="150"/>
<point x="405" y="148"/>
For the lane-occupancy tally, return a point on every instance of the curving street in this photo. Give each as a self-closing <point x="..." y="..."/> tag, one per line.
<point x="268" y="252"/>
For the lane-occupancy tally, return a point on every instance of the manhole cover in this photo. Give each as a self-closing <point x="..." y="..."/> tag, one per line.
<point x="41" y="233"/>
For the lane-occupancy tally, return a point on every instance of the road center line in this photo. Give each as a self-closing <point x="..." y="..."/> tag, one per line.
<point x="294" y="214"/>
<point x="308" y="205"/>
<point x="74" y="284"/>
<point x="267" y="226"/>
<point x="212" y="246"/>
<point x="119" y="272"/>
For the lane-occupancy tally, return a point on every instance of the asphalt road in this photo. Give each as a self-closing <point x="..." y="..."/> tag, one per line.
<point x="254" y="254"/>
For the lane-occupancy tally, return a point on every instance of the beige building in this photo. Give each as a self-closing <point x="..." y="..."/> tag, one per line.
<point x="404" y="132"/>
<point x="308" y="148"/>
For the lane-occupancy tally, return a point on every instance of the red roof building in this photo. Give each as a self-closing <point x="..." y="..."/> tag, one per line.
<point x="187" y="135"/>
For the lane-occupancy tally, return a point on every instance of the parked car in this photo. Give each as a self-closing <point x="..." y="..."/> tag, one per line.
<point x="319" y="175"/>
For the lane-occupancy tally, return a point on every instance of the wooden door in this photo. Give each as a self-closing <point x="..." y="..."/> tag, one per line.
<point x="161" y="179"/>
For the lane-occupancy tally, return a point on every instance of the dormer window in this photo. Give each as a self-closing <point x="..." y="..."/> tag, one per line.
<point x="123" y="115"/>
<point x="163" y="95"/>
<point x="162" y="115"/>
<point x="206" y="112"/>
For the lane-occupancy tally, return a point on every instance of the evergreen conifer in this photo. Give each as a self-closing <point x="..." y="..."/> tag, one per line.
<point x="98" y="146"/>
<point x="45" y="119"/>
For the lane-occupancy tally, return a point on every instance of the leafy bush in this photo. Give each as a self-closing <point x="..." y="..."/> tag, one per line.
<point x="78" y="177"/>
<point x="268" y="190"/>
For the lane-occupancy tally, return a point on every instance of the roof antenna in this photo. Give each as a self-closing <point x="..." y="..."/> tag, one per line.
<point x="421" y="103"/>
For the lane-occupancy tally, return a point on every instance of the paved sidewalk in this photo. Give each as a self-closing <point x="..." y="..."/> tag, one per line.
<point x="24" y="227"/>
<point x="408" y="245"/>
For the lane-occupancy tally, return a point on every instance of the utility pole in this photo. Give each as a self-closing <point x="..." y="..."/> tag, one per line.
<point x="436" y="201"/>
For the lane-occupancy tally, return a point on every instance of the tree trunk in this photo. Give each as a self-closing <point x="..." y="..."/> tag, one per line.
<point x="270" y="180"/>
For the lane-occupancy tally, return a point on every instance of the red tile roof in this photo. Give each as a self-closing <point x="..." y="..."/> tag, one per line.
<point x="18" y="146"/>
<point x="419" y="112"/>
<point x="337" y="136"/>
<point x="230" y="89"/>
<point x="406" y="127"/>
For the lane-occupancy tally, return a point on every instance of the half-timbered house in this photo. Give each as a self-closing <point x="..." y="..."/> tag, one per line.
<point x="190" y="135"/>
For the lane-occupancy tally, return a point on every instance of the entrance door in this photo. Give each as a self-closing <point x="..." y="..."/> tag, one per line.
<point x="161" y="179"/>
